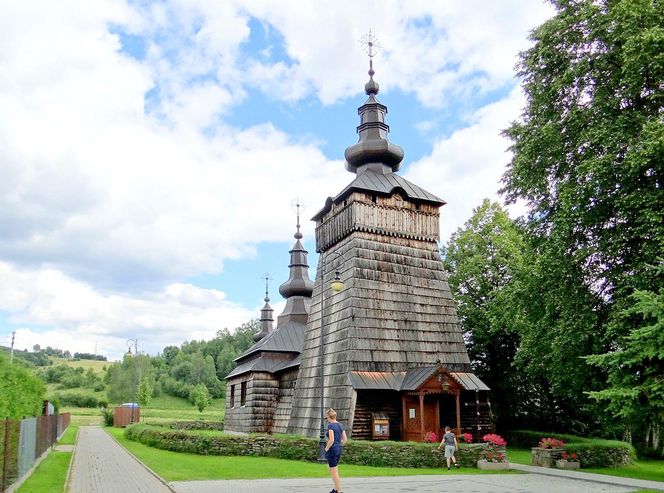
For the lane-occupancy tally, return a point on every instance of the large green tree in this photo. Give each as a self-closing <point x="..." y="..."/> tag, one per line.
<point x="589" y="149"/>
<point x="21" y="392"/>
<point x="482" y="259"/>
<point x="636" y="369"/>
<point x="587" y="158"/>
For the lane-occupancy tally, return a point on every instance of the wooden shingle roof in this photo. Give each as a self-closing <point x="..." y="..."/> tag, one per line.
<point x="409" y="380"/>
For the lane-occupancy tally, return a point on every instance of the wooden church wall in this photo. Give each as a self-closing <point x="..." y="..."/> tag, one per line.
<point x="257" y="414"/>
<point x="284" y="399"/>
<point x="376" y="401"/>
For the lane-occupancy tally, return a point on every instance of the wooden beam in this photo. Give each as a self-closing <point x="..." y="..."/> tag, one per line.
<point x="458" y="411"/>
<point x="405" y="417"/>
<point x="421" y="416"/>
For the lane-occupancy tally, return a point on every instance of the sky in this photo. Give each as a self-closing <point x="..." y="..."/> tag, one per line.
<point x="150" y="152"/>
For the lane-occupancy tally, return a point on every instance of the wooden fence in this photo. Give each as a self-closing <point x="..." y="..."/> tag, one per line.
<point x="23" y="442"/>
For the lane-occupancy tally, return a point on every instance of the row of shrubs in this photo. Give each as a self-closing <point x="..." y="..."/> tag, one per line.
<point x="197" y="425"/>
<point x="76" y="399"/>
<point x="360" y="452"/>
<point x="592" y="452"/>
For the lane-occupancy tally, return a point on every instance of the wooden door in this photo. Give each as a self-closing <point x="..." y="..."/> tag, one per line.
<point x="413" y="417"/>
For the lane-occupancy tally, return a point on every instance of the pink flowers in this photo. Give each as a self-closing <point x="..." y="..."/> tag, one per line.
<point x="551" y="443"/>
<point x="430" y="437"/>
<point x="466" y="438"/>
<point x="494" y="439"/>
<point x="570" y="457"/>
<point x="490" y="455"/>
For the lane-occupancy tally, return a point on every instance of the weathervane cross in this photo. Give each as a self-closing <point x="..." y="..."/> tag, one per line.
<point x="297" y="205"/>
<point x="267" y="283"/>
<point x="371" y="44"/>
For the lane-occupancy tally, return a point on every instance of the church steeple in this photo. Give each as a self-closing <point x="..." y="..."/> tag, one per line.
<point x="373" y="151"/>
<point x="298" y="288"/>
<point x="266" y="314"/>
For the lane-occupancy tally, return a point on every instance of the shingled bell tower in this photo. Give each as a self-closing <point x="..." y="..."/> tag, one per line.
<point x="393" y="346"/>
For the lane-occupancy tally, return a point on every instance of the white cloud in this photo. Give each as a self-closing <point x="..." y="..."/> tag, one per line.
<point x="106" y="206"/>
<point x="467" y="166"/>
<point x="83" y="316"/>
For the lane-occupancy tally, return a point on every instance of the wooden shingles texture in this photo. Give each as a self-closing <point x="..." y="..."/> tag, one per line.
<point x="395" y="312"/>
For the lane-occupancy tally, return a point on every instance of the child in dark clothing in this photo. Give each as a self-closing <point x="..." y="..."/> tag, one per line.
<point x="336" y="439"/>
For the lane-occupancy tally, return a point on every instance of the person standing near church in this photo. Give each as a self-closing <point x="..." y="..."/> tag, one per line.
<point x="336" y="439"/>
<point x="451" y="445"/>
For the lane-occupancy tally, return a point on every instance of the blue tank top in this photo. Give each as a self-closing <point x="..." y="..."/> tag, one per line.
<point x="338" y="429"/>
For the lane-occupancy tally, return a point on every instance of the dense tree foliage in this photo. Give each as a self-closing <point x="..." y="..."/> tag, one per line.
<point x="636" y="368"/>
<point x="587" y="159"/>
<point x="482" y="259"/>
<point x="21" y="392"/>
<point x="179" y="370"/>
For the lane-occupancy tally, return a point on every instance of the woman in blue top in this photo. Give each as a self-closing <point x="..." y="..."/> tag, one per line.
<point x="336" y="439"/>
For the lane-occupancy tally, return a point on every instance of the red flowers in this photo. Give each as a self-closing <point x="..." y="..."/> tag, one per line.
<point x="466" y="438"/>
<point x="570" y="457"/>
<point x="494" y="439"/>
<point x="551" y="443"/>
<point x="430" y="437"/>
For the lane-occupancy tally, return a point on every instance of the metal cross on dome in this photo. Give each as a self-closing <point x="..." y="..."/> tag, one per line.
<point x="297" y="205"/>
<point x="267" y="283"/>
<point x="371" y="44"/>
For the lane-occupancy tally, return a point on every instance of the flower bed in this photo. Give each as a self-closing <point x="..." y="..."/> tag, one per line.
<point x="381" y="454"/>
<point x="592" y="452"/>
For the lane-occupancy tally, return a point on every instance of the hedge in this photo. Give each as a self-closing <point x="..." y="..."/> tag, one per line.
<point x="360" y="452"/>
<point x="197" y="425"/>
<point x="592" y="452"/>
<point x="529" y="438"/>
<point x="602" y="453"/>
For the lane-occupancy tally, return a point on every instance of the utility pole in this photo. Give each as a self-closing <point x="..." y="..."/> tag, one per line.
<point x="11" y="351"/>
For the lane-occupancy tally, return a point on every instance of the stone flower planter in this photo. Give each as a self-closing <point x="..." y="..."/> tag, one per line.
<point x="492" y="466"/>
<point x="563" y="464"/>
<point x="545" y="457"/>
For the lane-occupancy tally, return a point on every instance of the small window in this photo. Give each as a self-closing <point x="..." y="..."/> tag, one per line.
<point x="411" y="413"/>
<point x="243" y="393"/>
<point x="232" y="401"/>
<point x="373" y="198"/>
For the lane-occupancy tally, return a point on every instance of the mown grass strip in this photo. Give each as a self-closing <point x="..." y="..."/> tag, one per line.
<point x="49" y="476"/>
<point x="649" y="469"/>
<point x="174" y="466"/>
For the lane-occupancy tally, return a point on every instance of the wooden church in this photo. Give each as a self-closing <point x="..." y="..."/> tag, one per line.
<point x="393" y="361"/>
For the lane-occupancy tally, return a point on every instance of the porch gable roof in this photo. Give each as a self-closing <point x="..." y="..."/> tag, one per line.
<point x="410" y="380"/>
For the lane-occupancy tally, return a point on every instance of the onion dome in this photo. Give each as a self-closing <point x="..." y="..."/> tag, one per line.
<point x="266" y="316"/>
<point x="373" y="146"/>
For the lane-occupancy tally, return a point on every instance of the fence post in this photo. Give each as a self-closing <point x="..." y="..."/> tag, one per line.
<point x="5" y="456"/>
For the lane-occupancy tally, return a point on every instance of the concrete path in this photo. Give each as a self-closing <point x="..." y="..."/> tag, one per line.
<point x="458" y="483"/>
<point x="101" y="465"/>
<point x="597" y="478"/>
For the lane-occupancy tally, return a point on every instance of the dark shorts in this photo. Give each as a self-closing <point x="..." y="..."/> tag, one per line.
<point x="333" y="455"/>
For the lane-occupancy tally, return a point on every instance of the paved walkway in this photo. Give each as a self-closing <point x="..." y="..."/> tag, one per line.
<point x="101" y="465"/>
<point x="458" y="483"/>
<point x="597" y="478"/>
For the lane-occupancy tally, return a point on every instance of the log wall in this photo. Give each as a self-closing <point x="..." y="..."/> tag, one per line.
<point x="257" y="414"/>
<point x="376" y="401"/>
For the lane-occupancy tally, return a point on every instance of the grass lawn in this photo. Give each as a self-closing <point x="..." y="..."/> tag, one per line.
<point x="175" y="466"/>
<point x="50" y="475"/>
<point x="97" y="366"/>
<point x="69" y="436"/>
<point x="166" y="408"/>
<point x="641" y="469"/>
